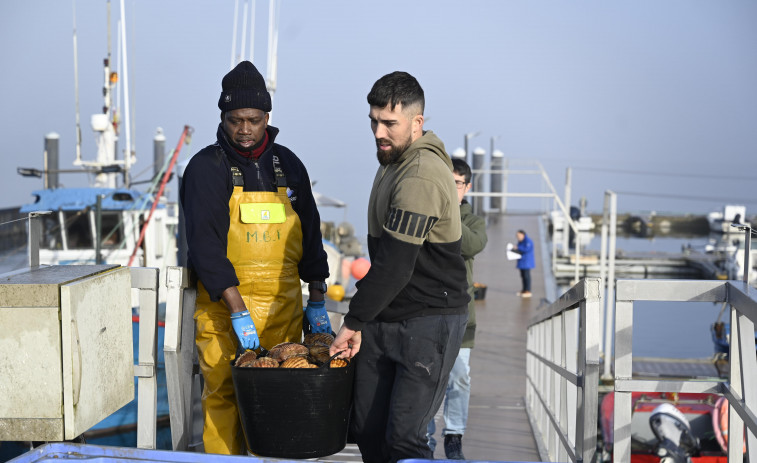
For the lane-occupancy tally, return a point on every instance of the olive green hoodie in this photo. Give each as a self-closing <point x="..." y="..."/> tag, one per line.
<point x="414" y="239"/>
<point x="474" y="241"/>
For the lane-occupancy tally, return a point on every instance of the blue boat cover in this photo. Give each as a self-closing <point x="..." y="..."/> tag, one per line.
<point x="76" y="199"/>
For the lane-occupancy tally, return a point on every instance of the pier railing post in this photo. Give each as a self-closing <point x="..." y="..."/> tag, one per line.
<point x="35" y="236"/>
<point x="747" y="249"/>
<point x="603" y="271"/>
<point x="610" y="312"/>
<point x="146" y="281"/>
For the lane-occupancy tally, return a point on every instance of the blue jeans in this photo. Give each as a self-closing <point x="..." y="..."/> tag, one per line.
<point x="400" y="377"/>
<point x="456" y="399"/>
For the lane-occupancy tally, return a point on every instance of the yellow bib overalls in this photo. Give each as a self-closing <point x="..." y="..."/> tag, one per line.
<point x="264" y="246"/>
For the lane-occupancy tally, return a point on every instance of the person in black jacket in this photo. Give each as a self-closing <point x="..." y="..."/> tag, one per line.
<point x="253" y="232"/>
<point x="408" y="316"/>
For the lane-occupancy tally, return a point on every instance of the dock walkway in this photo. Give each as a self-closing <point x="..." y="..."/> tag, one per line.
<point x="498" y="427"/>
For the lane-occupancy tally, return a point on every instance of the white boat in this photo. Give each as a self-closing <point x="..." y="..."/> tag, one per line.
<point x="721" y="221"/>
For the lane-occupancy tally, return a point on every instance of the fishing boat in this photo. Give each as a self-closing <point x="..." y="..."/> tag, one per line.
<point x="721" y="221"/>
<point x="111" y="222"/>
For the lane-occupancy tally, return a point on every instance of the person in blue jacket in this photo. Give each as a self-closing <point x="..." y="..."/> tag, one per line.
<point x="526" y="262"/>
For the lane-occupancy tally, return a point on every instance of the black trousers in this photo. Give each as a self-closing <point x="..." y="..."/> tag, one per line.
<point x="400" y="378"/>
<point x="525" y="276"/>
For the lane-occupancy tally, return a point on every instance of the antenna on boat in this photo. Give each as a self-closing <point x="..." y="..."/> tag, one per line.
<point x="234" y="35"/>
<point x="76" y="90"/>
<point x="128" y="156"/>
<point x="236" y="59"/>
<point x="273" y="39"/>
<point x="273" y="45"/>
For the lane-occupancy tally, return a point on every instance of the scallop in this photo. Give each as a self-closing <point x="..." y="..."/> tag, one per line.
<point x="320" y="353"/>
<point x="264" y="362"/>
<point x="295" y="362"/>
<point x="339" y="363"/>
<point x="285" y="350"/>
<point x="246" y="357"/>
<point x="318" y="338"/>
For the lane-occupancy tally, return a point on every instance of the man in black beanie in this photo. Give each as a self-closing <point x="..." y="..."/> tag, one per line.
<point x="253" y="231"/>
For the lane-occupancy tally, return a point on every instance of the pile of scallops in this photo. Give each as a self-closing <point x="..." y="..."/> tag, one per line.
<point x="311" y="353"/>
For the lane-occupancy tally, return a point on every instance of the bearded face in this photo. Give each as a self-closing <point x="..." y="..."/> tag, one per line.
<point x="388" y="152"/>
<point x="395" y="130"/>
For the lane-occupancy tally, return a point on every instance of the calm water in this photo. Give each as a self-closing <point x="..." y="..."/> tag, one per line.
<point x="669" y="329"/>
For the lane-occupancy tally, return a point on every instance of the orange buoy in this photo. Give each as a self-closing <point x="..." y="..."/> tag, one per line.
<point x="720" y="424"/>
<point x="360" y="267"/>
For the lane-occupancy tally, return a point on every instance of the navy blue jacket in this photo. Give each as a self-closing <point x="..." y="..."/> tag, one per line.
<point x="205" y="192"/>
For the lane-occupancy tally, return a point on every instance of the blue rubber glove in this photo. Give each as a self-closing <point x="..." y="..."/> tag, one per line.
<point x="245" y="329"/>
<point x="318" y="317"/>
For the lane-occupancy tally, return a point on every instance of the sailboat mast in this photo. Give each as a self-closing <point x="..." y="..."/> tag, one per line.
<point x="127" y="119"/>
<point x="234" y="35"/>
<point x="252" y="31"/>
<point x="244" y="30"/>
<point x="76" y="90"/>
<point x="273" y="43"/>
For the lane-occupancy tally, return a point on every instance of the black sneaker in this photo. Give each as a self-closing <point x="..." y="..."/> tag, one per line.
<point x="453" y="447"/>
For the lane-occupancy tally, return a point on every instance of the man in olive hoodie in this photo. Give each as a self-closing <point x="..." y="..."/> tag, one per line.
<point x="408" y="316"/>
<point x="458" y="387"/>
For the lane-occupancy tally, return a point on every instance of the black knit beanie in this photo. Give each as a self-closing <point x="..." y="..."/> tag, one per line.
<point x="244" y="87"/>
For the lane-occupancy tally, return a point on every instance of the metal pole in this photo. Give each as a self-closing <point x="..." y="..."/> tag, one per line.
<point x="609" y="320"/>
<point x="465" y="145"/>
<point x="51" y="160"/>
<point x="603" y="268"/>
<point x="35" y="236"/>
<point x="98" y="229"/>
<point x="35" y="232"/>
<point x="159" y="152"/>
<point x="234" y="35"/>
<point x="566" y="232"/>
<point x="478" y="184"/>
<point x="506" y="166"/>
<point x="243" y="42"/>
<point x="747" y="252"/>
<point x="496" y="181"/>
<point x="127" y="114"/>
<point x="468" y="136"/>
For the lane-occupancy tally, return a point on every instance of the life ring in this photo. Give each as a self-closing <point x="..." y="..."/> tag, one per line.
<point x="720" y="424"/>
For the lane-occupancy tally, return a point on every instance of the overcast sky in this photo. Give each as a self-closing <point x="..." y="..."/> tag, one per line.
<point x="656" y="100"/>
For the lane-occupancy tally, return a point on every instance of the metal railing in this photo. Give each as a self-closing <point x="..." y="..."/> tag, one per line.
<point x="562" y="374"/>
<point x="741" y="386"/>
<point x="146" y="281"/>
